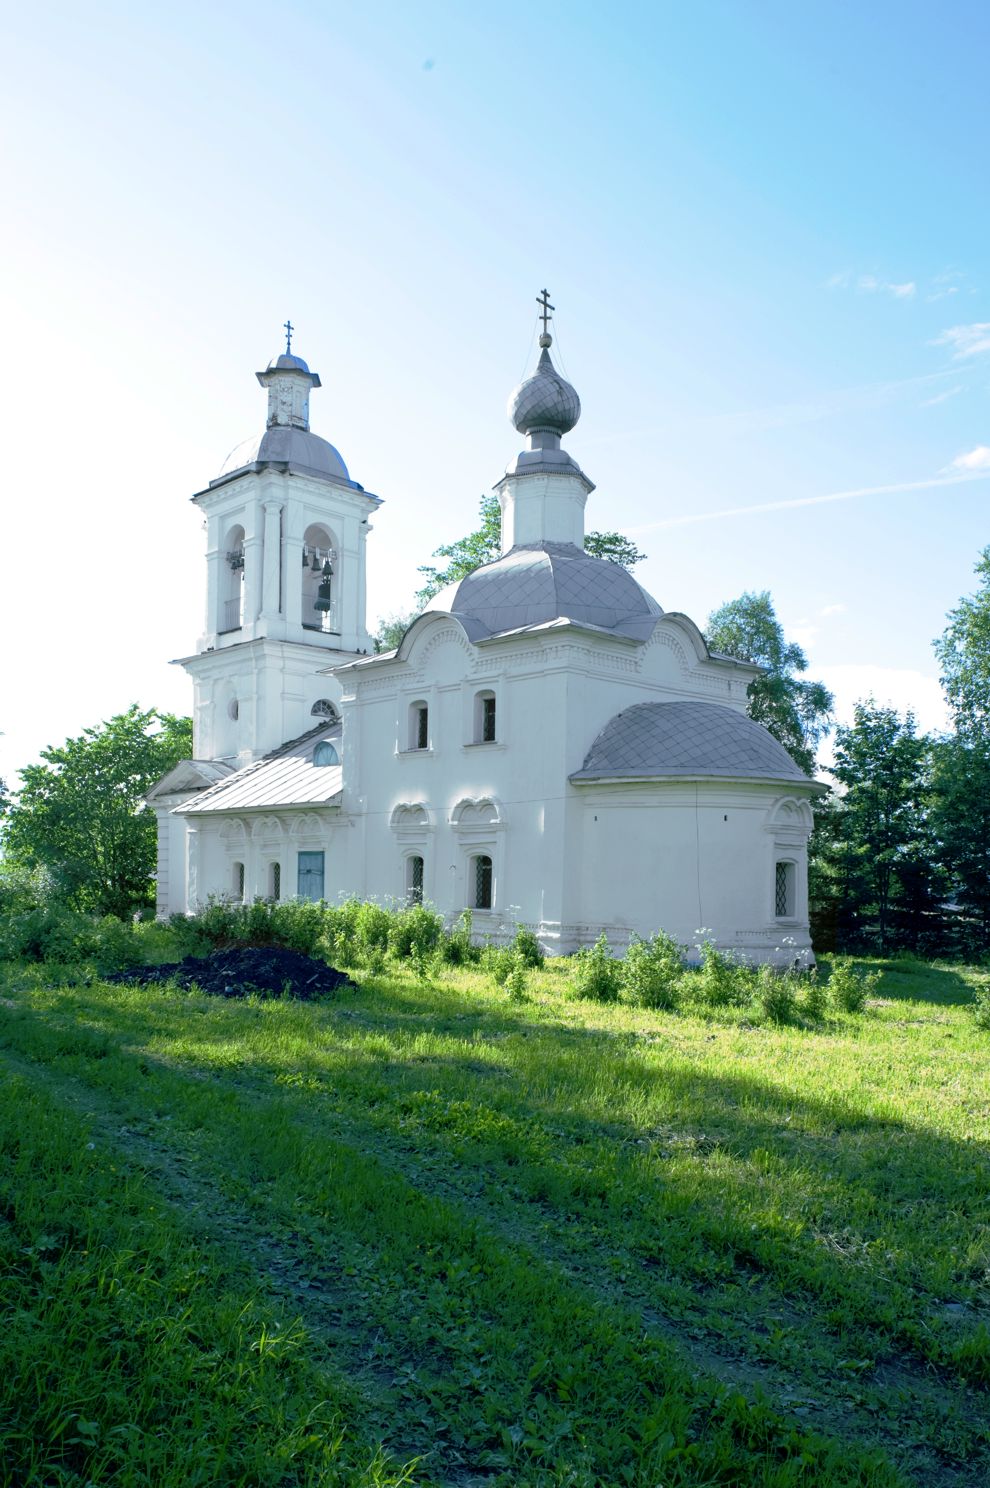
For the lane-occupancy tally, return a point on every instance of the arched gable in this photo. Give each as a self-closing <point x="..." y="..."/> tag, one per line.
<point x="477" y="813"/>
<point x="410" y="816"/>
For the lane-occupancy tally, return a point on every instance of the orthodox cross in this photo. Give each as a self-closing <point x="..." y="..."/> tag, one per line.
<point x="287" y="328"/>
<point x="543" y="300"/>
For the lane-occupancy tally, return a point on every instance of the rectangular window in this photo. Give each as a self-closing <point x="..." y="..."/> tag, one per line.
<point x="488" y="720"/>
<point x="310" y="875"/>
<point x="783" y="892"/>
<point x="239" y="882"/>
<point x="275" y="882"/>
<point x="482" y="883"/>
<point x="414" y="880"/>
<point x="422" y="728"/>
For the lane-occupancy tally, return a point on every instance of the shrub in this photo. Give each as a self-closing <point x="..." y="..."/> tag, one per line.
<point x="722" y="982"/>
<point x="414" y="929"/>
<point x="776" y="994"/>
<point x="981" y="1005"/>
<point x="23" y="889"/>
<point x="375" y="961"/>
<point x="815" y="997"/>
<point x="528" y="948"/>
<point x="652" y="970"/>
<point x="596" y="974"/>
<point x="498" y="962"/>
<point x="457" y="947"/>
<point x="515" y="982"/>
<point x="849" y="986"/>
<point x="371" y="925"/>
<point x="49" y="932"/>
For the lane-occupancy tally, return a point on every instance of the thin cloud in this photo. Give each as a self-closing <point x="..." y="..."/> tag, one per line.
<point x="832" y="609"/>
<point x="941" y="397"/>
<point x="966" y="340"/>
<point x="870" y="284"/>
<point x="792" y="505"/>
<point x="976" y="459"/>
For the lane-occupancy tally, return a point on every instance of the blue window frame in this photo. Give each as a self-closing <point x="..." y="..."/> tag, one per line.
<point x="310" y="875"/>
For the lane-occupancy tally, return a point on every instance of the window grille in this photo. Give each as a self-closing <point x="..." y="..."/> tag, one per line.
<point x="323" y="708"/>
<point x="482" y="883"/>
<point x="782" y="892"/>
<point x="488" y="720"/>
<point x="276" y="881"/>
<point x="414" y="873"/>
<point x="421" y="726"/>
<point x="239" y="881"/>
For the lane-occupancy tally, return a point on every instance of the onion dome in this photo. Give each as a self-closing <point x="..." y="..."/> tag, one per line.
<point x="545" y="403"/>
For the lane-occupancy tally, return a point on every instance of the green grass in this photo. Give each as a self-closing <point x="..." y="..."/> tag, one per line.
<point x="429" y="1233"/>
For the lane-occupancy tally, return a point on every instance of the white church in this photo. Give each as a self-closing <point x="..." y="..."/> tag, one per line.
<point x="546" y="747"/>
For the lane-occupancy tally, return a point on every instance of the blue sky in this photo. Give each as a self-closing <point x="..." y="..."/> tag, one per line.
<point x="764" y="227"/>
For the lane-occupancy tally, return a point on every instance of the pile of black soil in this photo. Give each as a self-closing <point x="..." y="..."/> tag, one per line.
<point x="266" y="971"/>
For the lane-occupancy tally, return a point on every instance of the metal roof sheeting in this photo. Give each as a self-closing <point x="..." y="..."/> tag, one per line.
<point x="286" y="777"/>
<point x="651" y="740"/>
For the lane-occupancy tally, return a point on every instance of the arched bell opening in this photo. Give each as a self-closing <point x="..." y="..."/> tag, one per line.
<point x="319" y="581"/>
<point x="232" y="582"/>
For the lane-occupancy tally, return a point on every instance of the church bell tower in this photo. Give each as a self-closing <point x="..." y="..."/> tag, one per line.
<point x="286" y="533"/>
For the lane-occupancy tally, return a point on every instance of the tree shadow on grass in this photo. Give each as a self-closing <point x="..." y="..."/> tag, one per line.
<point x="911" y="981"/>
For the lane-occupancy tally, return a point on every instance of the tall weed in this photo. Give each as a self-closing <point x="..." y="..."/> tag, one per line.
<point x="596" y="974"/>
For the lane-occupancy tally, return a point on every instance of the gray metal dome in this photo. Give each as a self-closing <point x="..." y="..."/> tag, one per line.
<point x="287" y="363"/>
<point x="687" y="739"/>
<point x="283" y="445"/>
<point x="545" y="400"/>
<point x="538" y="583"/>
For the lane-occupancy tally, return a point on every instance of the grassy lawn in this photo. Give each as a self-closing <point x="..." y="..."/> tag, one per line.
<point x="426" y="1234"/>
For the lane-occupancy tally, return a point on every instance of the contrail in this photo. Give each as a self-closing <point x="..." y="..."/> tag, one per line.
<point x="770" y="506"/>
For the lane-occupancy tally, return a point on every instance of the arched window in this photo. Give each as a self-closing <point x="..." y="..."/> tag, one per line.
<point x="783" y="890"/>
<point x="419" y="726"/>
<point x="231" y="615"/>
<point x="414" y="880"/>
<point x="319" y="581"/>
<point x="325" y="753"/>
<point x="482" y="882"/>
<point x="323" y="708"/>
<point x="484" y="718"/>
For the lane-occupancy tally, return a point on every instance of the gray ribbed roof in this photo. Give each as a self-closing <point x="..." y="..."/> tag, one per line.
<point x="671" y="739"/>
<point x="286" y="777"/>
<point x="540" y="582"/>
<point x="281" y="444"/>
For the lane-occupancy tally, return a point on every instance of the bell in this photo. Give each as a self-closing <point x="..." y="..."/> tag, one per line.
<point x="324" y="595"/>
<point x="305" y="559"/>
<point x="315" y="565"/>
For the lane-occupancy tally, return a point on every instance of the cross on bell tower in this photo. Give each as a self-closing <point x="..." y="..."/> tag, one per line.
<point x="287" y="327"/>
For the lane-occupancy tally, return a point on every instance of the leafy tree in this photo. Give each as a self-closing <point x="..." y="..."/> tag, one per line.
<point x="796" y="712"/>
<point x="79" y="813"/>
<point x="485" y="544"/>
<point x="963" y="651"/>
<point x="881" y="847"/>
<point x="391" y="629"/>
<point x="960" y="822"/>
